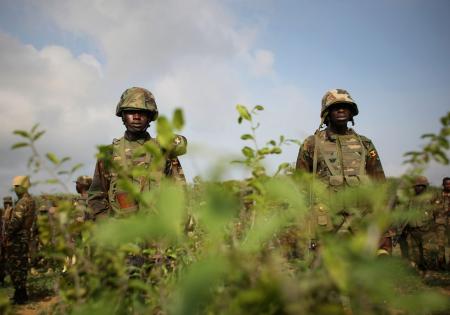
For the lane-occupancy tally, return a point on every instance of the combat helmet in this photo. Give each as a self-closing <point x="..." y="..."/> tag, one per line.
<point x="337" y="96"/>
<point x="84" y="180"/>
<point x="138" y="99"/>
<point x="22" y="181"/>
<point x="421" y="181"/>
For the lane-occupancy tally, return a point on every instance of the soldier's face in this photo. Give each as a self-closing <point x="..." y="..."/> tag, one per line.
<point x="418" y="189"/>
<point x="136" y="120"/>
<point x="340" y="114"/>
<point x="446" y="185"/>
<point x="19" y="190"/>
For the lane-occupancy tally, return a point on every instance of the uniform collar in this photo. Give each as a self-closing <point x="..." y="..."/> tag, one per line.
<point x="143" y="138"/>
<point x="333" y="136"/>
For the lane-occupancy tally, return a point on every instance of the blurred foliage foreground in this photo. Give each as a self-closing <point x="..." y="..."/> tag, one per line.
<point x="236" y="247"/>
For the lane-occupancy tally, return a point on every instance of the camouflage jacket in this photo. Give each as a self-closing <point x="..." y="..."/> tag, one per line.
<point x="370" y="162"/>
<point x="442" y="208"/>
<point x="80" y="209"/>
<point x="103" y="196"/>
<point x="21" y="220"/>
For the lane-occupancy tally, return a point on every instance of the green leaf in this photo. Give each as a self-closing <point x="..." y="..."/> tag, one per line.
<point x="76" y="167"/>
<point x="19" y="145"/>
<point x="428" y="135"/>
<point x="248" y="152"/>
<point x="63" y="172"/>
<point x="272" y="142"/>
<point x="243" y="112"/>
<point x="22" y="133"/>
<point x="246" y="136"/>
<point x="165" y="134"/>
<point x="34" y="128"/>
<point x="276" y="150"/>
<point x="65" y="159"/>
<point x="38" y="135"/>
<point x="259" y="107"/>
<point x="178" y="119"/>
<point x="52" y="158"/>
<point x="239" y="120"/>
<point x="264" y="151"/>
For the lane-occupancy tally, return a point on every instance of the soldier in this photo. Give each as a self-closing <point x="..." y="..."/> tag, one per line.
<point x="420" y="232"/>
<point x="18" y="227"/>
<point x="137" y="108"/>
<point x="442" y="220"/>
<point x="80" y="202"/>
<point x="340" y="158"/>
<point x="5" y="213"/>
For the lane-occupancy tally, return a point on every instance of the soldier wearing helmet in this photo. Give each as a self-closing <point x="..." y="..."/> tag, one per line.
<point x="421" y="243"/>
<point x="339" y="157"/>
<point x="137" y="108"/>
<point x="81" y="212"/>
<point x="17" y="234"/>
<point x="342" y="157"/>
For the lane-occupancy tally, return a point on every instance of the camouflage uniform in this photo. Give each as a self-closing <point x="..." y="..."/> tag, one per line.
<point x="442" y="221"/>
<point x="4" y="213"/>
<point x="18" y="229"/>
<point x="80" y="203"/>
<point x="339" y="161"/>
<point x="105" y="197"/>
<point x="421" y="244"/>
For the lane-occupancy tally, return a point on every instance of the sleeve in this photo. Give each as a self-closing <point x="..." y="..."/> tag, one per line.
<point x="305" y="156"/>
<point x="373" y="162"/>
<point x="98" y="192"/>
<point x="17" y="220"/>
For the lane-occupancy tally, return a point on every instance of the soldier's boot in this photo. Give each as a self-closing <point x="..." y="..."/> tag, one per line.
<point x="20" y="296"/>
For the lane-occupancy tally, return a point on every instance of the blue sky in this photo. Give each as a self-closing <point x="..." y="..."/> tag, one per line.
<point x="65" y="63"/>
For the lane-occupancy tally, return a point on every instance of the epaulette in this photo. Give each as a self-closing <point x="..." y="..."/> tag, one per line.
<point x="116" y="141"/>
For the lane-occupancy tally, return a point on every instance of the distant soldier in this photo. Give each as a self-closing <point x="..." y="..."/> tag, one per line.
<point x="340" y="158"/>
<point x="18" y="229"/>
<point x="137" y="108"/>
<point x="422" y="245"/>
<point x="5" y="213"/>
<point x="442" y="219"/>
<point x="82" y="212"/>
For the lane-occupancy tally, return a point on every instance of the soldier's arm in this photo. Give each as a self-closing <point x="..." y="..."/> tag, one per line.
<point x="305" y="156"/>
<point x="17" y="218"/>
<point x="373" y="163"/>
<point x="98" y="192"/>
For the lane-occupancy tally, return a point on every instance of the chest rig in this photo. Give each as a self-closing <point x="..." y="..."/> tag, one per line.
<point x="339" y="161"/>
<point x="125" y="158"/>
<point x="344" y="157"/>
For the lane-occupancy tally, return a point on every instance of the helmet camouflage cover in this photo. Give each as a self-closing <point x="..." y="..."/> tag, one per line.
<point x="84" y="180"/>
<point x="421" y="180"/>
<point x="137" y="98"/>
<point x="337" y="96"/>
<point x="23" y="181"/>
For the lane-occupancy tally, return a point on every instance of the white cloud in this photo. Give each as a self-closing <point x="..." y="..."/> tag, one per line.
<point x="191" y="54"/>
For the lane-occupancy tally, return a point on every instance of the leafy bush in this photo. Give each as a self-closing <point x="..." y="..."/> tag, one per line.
<point x="239" y="247"/>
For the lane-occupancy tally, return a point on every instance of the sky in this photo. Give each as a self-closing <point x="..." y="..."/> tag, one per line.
<point x="64" y="65"/>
